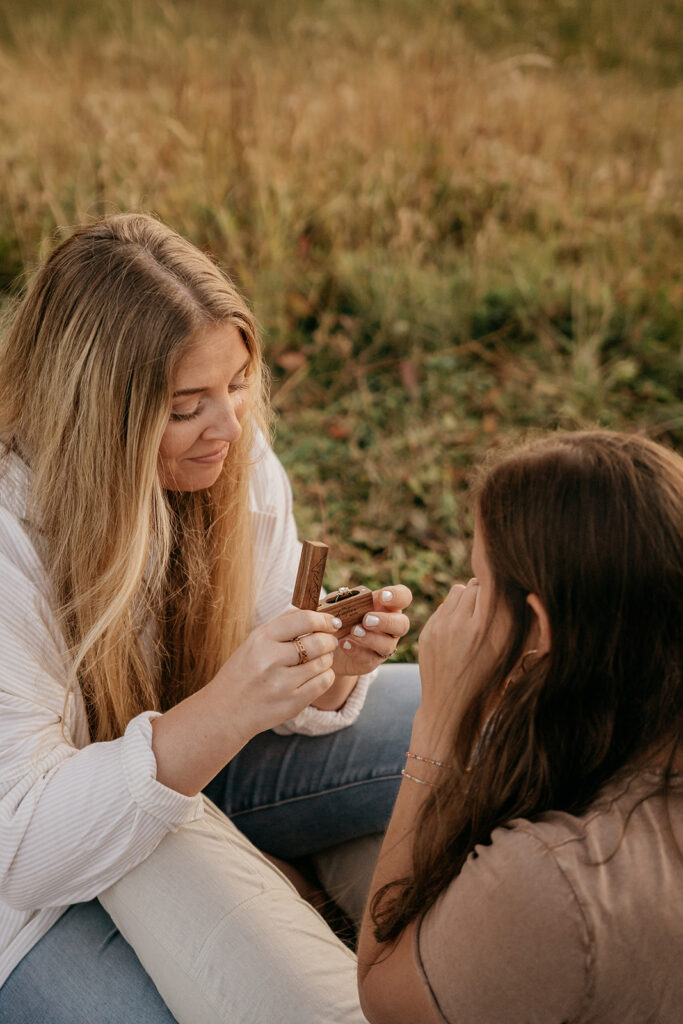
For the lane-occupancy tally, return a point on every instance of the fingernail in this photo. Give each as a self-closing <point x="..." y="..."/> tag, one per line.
<point x="387" y="596"/>
<point x="346" y="645"/>
<point x="371" y="620"/>
<point x="337" y="623"/>
<point x="358" y="631"/>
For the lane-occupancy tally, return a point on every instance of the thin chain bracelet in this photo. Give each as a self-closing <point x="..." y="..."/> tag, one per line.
<point x="427" y="760"/>
<point x="414" y="778"/>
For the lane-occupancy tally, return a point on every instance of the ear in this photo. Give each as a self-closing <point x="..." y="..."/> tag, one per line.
<point x="539" y="636"/>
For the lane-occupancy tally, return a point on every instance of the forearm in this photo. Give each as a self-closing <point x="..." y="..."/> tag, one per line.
<point x="85" y="817"/>
<point x="335" y="697"/>
<point x="396" y="856"/>
<point x="195" y="739"/>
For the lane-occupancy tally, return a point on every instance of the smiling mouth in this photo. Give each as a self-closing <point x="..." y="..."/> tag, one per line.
<point x="216" y="456"/>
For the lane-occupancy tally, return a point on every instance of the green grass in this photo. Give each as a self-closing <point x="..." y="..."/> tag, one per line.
<point x="455" y="220"/>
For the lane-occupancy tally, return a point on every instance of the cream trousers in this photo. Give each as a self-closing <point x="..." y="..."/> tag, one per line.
<point x="227" y="939"/>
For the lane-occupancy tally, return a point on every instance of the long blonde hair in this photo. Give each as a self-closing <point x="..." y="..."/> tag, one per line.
<point x="152" y="589"/>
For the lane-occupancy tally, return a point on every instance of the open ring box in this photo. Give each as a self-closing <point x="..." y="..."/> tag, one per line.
<point x="349" y="604"/>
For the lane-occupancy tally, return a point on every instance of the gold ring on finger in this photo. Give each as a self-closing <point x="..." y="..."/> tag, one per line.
<point x="301" y="650"/>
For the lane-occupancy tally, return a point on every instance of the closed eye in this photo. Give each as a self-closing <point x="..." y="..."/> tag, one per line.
<point x="178" y="416"/>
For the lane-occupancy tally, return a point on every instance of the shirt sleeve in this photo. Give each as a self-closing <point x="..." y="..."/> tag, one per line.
<point x="276" y="559"/>
<point x="507" y="941"/>
<point x="72" y="821"/>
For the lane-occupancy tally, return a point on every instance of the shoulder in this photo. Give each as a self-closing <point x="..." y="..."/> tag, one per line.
<point x="508" y="939"/>
<point x="19" y="541"/>
<point x="15" y="483"/>
<point x="275" y="545"/>
<point x="270" y="490"/>
<point x="628" y="816"/>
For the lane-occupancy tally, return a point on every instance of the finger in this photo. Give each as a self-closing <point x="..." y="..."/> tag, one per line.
<point x="394" y="598"/>
<point x="316" y="686"/>
<point x="453" y="597"/>
<point x="313" y="644"/>
<point x="297" y="622"/>
<point x="377" y="643"/>
<point x="461" y="601"/>
<point x="300" y="674"/>
<point x="393" y="623"/>
<point x="469" y="597"/>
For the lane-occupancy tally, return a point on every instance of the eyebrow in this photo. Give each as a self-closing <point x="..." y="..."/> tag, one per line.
<point x="199" y="391"/>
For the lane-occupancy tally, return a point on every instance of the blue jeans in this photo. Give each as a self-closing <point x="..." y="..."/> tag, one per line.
<point x="291" y="796"/>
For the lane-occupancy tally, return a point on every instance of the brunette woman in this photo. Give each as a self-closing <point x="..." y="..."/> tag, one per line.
<point x="148" y="649"/>
<point x="533" y="868"/>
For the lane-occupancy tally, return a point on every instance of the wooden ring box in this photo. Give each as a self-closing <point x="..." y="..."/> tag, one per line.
<point x="349" y="604"/>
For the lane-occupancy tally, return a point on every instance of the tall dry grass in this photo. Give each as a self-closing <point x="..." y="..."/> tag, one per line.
<point x="453" y="219"/>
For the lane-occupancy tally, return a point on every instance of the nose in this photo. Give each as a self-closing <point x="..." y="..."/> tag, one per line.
<point x="225" y="425"/>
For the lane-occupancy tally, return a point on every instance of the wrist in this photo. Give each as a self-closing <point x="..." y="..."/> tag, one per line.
<point x="231" y="712"/>
<point x="335" y="698"/>
<point x="431" y="739"/>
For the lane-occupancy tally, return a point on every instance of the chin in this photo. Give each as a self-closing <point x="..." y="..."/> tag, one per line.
<point x="187" y="483"/>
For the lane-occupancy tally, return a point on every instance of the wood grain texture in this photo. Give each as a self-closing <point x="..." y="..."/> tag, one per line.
<point x="309" y="577"/>
<point x="351" y="607"/>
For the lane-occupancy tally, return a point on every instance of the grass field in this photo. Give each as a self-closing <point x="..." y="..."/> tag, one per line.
<point x="454" y="219"/>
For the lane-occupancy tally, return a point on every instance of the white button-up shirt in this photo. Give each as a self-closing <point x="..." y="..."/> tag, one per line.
<point x="75" y="816"/>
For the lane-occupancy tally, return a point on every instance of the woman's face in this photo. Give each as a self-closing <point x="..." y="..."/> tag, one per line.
<point x="210" y="391"/>
<point x="487" y="601"/>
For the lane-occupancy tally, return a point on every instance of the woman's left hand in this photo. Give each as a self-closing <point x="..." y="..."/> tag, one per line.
<point x="374" y="639"/>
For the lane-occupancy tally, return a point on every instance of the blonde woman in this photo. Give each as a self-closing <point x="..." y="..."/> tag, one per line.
<point x="147" y="559"/>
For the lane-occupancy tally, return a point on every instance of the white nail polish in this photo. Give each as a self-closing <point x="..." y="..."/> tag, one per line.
<point x="371" y="620"/>
<point x="346" y="645"/>
<point x="387" y="596"/>
<point x="358" y="631"/>
<point x="337" y="623"/>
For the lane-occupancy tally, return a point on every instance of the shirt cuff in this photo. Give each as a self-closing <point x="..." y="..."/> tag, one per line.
<point x="140" y="772"/>
<point x="316" y="722"/>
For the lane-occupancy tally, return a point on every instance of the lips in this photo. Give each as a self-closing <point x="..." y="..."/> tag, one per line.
<point x="217" y="456"/>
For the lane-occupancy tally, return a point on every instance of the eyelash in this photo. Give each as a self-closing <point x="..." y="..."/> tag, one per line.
<point x="178" y="417"/>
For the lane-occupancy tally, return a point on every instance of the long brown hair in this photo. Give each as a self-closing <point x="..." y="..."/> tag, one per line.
<point x="152" y="589"/>
<point x="591" y="522"/>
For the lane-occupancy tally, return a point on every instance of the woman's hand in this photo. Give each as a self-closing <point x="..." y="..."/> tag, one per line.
<point x="455" y="654"/>
<point x="375" y="639"/>
<point x="263" y="680"/>
<point x="261" y="685"/>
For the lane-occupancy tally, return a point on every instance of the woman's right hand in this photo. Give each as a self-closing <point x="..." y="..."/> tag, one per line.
<point x="453" y="654"/>
<point x="260" y="686"/>
<point x="263" y="681"/>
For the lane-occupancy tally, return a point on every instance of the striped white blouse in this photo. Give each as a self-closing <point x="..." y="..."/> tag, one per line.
<point x="75" y="817"/>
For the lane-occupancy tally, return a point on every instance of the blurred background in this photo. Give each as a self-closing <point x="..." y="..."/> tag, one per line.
<point x="455" y="221"/>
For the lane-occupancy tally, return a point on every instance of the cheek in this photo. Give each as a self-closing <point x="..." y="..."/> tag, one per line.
<point x="176" y="440"/>
<point x="501" y="627"/>
<point x="241" y="405"/>
<point x="497" y="616"/>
